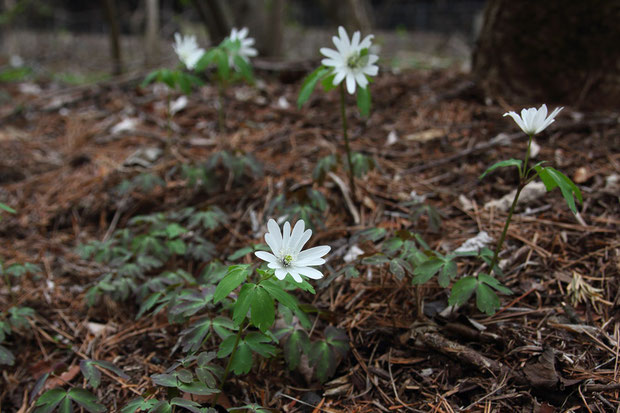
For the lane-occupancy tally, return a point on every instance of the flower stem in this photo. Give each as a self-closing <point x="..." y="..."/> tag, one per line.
<point x="505" y="231"/>
<point x="229" y="364"/>
<point x="527" y="158"/>
<point x="346" y="140"/>
<point x="523" y="181"/>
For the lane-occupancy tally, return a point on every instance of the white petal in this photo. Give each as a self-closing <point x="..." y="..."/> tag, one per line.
<point x="539" y="118"/>
<point x="361" y="80"/>
<point x="350" y="83"/>
<point x="355" y="40"/>
<point x="302" y="240"/>
<point x="315" y="252"/>
<point x="371" y="70"/>
<point x="331" y="53"/>
<point x="286" y="235"/>
<point x="366" y="43"/>
<point x="517" y="119"/>
<point x="298" y="232"/>
<point x="340" y="74"/>
<point x="281" y="273"/>
<point x="266" y="256"/>
<point x="310" y="272"/>
<point x="276" y="236"/>
<point x="295" y="274"/>
<point x="330" y="62"/>
<point x="372" y="59"/>
<point x="344" y="37"/>
<point x="309" y="262"/>
<point x="243" y="32"/>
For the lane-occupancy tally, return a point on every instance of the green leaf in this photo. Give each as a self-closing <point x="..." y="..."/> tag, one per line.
<point x="65" y="406"/>
<point x="223" y="69"/>
<point x="363" y="101"/>
<point x="90" y="373"/>
<point x="206" y="60"/>
<point x="49" y="400"/>
<point x="244" y="68"/>
<point x="242" y="305"/>
<point x="553" y="178"/>
<point x="197" y="387"/>
<point x="263" y="309"/>
<point x="258" y="343"/>
<point x="502" y="164"/>
<point x="6" y="357"/>
<point x="150" y="78"/>
<point x="297" y="344"/>
<point x="138" y="404"/>
<point x="397" y="269"/>
<point x="277" y="292"/>
<point x="86" y="399"/>
<point x="426" y="270"/>
<point x="486" y="299"/>
<point x="193" y="337"/>
<point x="240" y="253"/>
<point x="448" y="272"/>
<point x="190" y="405"/>
<point x="7" y="208"/>
<point x="462" y="290"/>
<point x="323" y="166"/>
<point x="242" y="361"/>
<point x="323" y="359"/>
<point x="234" y="277"/>
<point x="487" y="279"/>
<point x="111" y="367"/>
<point x="309" y="84"/>
<point x="161" y="406"/>
<point x="328" y="82"/>
<point x="147" y="304"/>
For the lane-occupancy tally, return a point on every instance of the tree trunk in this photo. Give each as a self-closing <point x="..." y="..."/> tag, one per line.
<point x="556" y="51"/>
<point x="213" y="16"/>
<point x="276" y="28"/>
<point x="152" y="28"/>
<point x="109" y="8"/>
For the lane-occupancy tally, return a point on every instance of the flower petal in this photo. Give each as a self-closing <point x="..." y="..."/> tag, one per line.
<point x="340" y="74"/>
<point x="266" y="256"/>
<point x="355" y="40"/>
<point x="286" y="235"/>
<point x="281" y="273"/>
<point x="295" y="274"/>
<point x="361" y="80"/>
<point x="316" y="252"/>
<point x="517" y="119"/>
<point x="310" y="272"/>
<point x="331" y="53"/>
<point x="274" y="235"/>
<point x="350" y="83"/>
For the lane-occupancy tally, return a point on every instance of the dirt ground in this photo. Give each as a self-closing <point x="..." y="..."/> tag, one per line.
<point x="430" y="131"/>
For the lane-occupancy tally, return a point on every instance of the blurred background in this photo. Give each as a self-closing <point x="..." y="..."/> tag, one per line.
<point x="89" y="40"/>
<point x="563" y="51"/>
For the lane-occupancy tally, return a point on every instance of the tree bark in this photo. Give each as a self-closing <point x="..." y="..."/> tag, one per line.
<point x="556" y="51"/>
<point x="213" y="16"/>
<point x="152" y="28"/>
<point x="109" y="8"/>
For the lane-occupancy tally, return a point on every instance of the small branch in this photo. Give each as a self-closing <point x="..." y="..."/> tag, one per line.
<point x="347" y="197"/>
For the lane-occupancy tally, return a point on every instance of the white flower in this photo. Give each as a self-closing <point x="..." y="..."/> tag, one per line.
<point x="348" y="60"/>
<point x="287" y="257"/>
<point x="187" y="49"/>
<point x="245" y="50"/>
<point x="532" y="120"/>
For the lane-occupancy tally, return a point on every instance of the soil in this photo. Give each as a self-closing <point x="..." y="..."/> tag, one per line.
<point x="430" y="132"/>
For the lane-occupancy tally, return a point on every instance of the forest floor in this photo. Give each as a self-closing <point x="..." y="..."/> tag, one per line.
<point x="64" y="154"/>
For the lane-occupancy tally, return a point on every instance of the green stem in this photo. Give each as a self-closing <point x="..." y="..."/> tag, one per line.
<point x="229" y="364"/>
<point x="505" y="231"/>
<point x="527" y="158"/>
<point x="346" y="140"/>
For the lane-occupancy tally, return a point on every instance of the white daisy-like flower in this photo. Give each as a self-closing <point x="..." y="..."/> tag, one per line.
<point x="187" y="49"/>
<point x="287" y="257"/>
<point x="351" y="60"/>
<point x="246" y="50"/>
<point x="532" y="120"/>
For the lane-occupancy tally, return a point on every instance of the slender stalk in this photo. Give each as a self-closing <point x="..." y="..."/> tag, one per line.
<point x="522" y="182"/>
<point x="505" y="231"/>
<point x="229" y="364"/>
<point x="527" y="157"/>
<point x="346" y="141"/>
